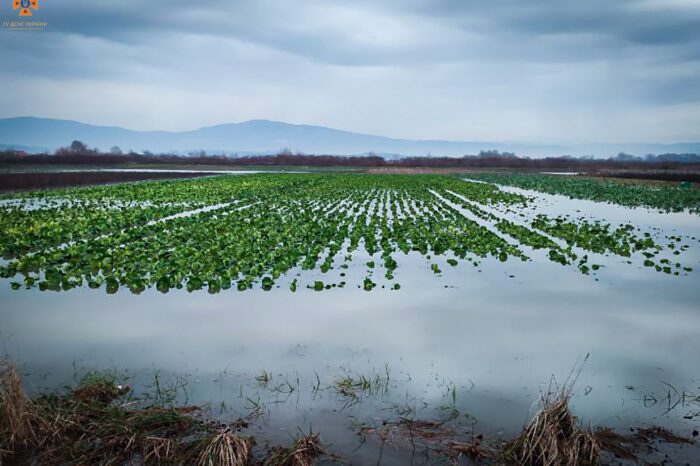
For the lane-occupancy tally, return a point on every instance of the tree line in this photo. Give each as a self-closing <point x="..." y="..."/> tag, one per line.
<point x="78" y="153"/>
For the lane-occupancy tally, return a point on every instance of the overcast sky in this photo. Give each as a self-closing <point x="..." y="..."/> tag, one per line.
<point x="501" y="70"/>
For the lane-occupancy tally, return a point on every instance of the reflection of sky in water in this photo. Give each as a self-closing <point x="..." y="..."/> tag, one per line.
<point x="497" y="339"/>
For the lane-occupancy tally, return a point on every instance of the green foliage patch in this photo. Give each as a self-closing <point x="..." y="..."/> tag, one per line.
<point x="670" y="198"/>
<point x="257" y="228"/>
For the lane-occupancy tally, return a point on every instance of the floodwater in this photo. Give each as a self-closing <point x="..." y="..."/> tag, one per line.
<point x="480" y="341"/>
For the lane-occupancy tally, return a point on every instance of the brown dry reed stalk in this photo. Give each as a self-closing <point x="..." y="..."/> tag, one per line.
<point x="16" y="430"/>
<point x="303" y="452"/>
<point x="89" y="426"/>
<point x="225" y="449"/>
<point x="554" y="436"/>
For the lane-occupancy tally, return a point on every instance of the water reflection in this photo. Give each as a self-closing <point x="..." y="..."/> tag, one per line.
<point x="496" y="333"/>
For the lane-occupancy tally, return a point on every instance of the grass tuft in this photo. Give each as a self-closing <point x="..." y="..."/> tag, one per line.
<point x="225" y="448"/>
<point x="554" y="437"/>
<point x="94" y="424"/>
<point x="303" y="452"/>
<point x="16" y="413"/>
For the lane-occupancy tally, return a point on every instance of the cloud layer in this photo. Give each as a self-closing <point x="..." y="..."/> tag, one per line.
<point x="504" y="70"/>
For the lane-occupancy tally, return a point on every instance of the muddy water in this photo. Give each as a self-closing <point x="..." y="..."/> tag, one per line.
<point x="479" y="341"/>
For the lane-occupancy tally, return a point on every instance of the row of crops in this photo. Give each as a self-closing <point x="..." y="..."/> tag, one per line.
<point x="666" y="197"/>
<point x="246" y="232"/>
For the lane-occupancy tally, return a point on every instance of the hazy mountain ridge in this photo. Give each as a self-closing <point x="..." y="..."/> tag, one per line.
<point x="267" y="137"/>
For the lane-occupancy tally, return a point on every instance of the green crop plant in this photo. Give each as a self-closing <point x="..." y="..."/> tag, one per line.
<point x="671" y="198"/>
<point x="249" y="231"/>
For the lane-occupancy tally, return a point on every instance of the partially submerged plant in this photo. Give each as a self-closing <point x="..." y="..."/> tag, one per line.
<point x="92" y="425"/>
<point x="16" y="413"/>
<point x="225" y="448"/>
<point x="554" y="436"/>
<point x="304" y="451"/>
<point x="351" y="387"/>
<point x="667" y="198"/>
<point x="263" y="378"/>
<point x="247" y="232"/>
<point x="102" y="423"/>
<point x="629" y="446"/>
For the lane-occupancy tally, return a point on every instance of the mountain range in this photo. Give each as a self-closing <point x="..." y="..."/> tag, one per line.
<point x="268" y="137"/>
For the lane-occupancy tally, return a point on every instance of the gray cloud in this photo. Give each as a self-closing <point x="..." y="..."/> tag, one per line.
<point x="544" y="71"/>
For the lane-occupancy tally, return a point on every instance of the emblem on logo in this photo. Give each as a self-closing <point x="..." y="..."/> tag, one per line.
<point x="26" y="6"/>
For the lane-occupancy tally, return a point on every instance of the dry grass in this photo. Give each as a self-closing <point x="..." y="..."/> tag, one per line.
<point x="554" y="437"/>
<point x="89" y="426"/>
<point x="303" y="452"/>
<point x="433" y="437"/>
<point x="16" y="410"/>
<point x="474" y="449"/>
<point x="225" y="449"/>
<point x="631" y="446"/>
<point x="407" y="431"/>
<point x="98" y="423"/>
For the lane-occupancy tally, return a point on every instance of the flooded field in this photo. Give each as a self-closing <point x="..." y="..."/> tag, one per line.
<point x="283" y="301"/>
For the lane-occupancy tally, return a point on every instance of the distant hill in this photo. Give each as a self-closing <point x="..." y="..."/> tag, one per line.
<point x="23" y="148"/>
<point x="267" y="137"/>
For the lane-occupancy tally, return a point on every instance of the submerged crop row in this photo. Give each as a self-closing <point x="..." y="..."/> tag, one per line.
<point x="249" y="231"/>
<point x="37" y="221"/>
<point x="664" y="197"/>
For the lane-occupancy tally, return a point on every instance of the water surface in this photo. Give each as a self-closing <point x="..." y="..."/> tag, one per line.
<point x="495" y="334"/>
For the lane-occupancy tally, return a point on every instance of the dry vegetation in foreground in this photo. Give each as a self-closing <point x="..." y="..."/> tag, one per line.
<point x="98" y="423"/>
<point x="553" y="437"/>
